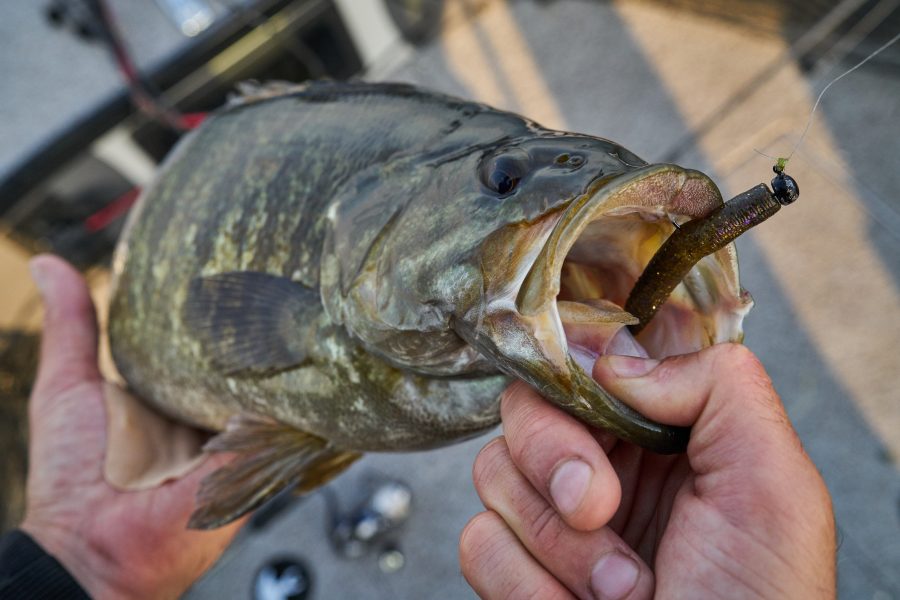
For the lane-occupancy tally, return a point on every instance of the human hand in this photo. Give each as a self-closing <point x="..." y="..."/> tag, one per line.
<point x="575" y="512"/>
<point x="115" y="544"/>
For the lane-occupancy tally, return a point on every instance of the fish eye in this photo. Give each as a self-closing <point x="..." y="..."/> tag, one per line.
<point x="503" y="182"/>
<point x="502" y="173"/>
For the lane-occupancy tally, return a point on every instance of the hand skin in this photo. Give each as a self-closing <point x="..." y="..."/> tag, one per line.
<point x="116" y="544"/>
<point x="743" y="514"/>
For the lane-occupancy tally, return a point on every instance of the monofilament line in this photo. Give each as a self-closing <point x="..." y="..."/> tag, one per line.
<point x="831" y="83"/>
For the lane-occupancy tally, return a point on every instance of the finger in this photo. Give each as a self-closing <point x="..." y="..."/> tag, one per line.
<point x="589" y="563"/>
<point x="722" y="391"/>
<point x="560" y="458"/>
<point x="497" y="566"/>
<point x="69" y="342"/>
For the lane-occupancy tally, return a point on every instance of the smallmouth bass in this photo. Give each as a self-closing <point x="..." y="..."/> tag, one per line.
<point x="333" y="268"/>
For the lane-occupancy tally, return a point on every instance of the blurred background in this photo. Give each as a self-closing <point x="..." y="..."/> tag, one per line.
<point x="95" y="94"/>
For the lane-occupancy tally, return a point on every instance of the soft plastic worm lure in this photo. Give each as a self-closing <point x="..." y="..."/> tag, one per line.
<point x="701" y="237"/>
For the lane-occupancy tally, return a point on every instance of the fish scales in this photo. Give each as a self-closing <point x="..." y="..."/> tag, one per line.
<point x="351" y="267"/>
<point x="288" y="138"/>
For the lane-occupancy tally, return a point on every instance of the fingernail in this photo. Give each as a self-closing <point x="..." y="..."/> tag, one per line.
<point x="631" y="366"/>
<point x="624" y="344"/>
<point x="614" y="576"/>
<point x="39" y="275"/>
<point x="569" y="484"/>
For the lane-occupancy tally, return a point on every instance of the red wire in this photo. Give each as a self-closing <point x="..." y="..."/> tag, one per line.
<point x="109" y="213"/>
<point x="192" y="120"/>
<point x="142" y="97"/>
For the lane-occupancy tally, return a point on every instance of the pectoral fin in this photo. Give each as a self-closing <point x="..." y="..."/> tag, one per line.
<point x="271" y="457"/>
<point x="249" y="322"/>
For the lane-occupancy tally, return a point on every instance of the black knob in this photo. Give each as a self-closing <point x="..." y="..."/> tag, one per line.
<point x="785" y="189"/>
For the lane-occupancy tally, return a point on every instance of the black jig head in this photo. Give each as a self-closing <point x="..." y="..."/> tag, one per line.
<point x="784" y="187"/>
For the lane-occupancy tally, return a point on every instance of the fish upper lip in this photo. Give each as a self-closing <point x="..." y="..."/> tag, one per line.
<point x="666" y="183"/>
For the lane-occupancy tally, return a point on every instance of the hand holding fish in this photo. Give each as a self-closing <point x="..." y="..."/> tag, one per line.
<point x="574" y="512"/>
<point x="115" y="544"/>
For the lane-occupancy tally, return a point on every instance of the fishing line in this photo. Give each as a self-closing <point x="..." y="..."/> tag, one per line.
<point x="700" y="237"/>
<point x="781" y="161"/>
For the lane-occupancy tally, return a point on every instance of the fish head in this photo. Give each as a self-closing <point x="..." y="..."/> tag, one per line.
<point x="455" y="227"/>
<point x="519" y="255"/>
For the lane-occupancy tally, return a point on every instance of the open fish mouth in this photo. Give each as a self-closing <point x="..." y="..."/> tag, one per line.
<point x="575" y="289"/>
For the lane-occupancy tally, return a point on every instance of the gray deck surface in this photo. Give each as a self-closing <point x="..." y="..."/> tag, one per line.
<point x="825" y="272"/>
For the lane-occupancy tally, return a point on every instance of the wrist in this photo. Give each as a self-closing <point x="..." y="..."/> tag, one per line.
<point x="88" y="567"/>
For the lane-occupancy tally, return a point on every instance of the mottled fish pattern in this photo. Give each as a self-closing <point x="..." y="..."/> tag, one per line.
<point x="328" y="269"/>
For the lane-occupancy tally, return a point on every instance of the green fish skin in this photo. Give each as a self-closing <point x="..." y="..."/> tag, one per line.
<point x="335" y="268"/>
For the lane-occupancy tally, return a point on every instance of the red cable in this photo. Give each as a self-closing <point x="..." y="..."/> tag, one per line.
<point x="109" y="213"/>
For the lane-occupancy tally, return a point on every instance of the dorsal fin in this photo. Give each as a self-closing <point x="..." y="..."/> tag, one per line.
<point x="250" y="91"/>
<point x="271" y="456"/>
<point x="249" y="322"/>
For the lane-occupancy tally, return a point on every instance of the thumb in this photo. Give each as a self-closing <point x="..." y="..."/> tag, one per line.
<point x="69" y="341"/>
<point x="722" y="392"/>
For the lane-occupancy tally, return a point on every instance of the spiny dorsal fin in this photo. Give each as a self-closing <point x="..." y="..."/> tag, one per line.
<point x="271" y="456"/>
<point x="250" y="91"/>
<point x="249" y="322"/>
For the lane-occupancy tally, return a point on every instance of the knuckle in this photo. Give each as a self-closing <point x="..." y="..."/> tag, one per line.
<point x="745" y="376"/>
<point x="526" y="589"/>
<point x="527" y="436"/>
<point x="480" y="541"/>
<point x="546" y="528"/>
<point x="744" y="367"/>
<point x="487" y="560"/>
<point x="736" y="357"/>
<point x="667" y="371"/>
<point x="490" y="460"/>
<point x="509" y="399"/>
